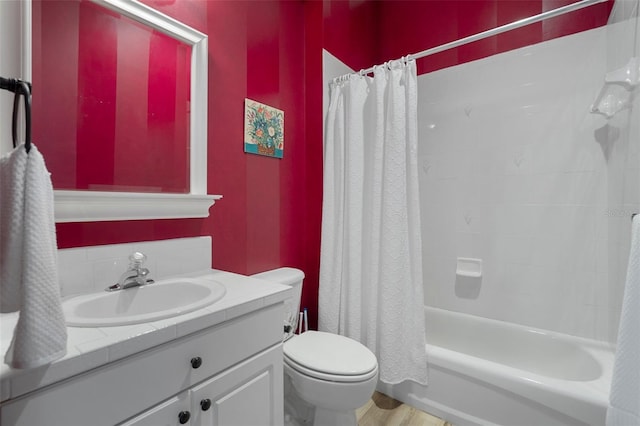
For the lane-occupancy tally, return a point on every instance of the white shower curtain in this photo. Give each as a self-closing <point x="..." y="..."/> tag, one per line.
<point x="371" y="254"/>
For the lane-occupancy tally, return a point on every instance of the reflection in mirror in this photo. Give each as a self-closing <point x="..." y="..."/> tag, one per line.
<point x="112" y="105"/>
<point x="134" y="198"/>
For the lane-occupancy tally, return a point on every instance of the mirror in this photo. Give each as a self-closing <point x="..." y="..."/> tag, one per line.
<point x="121" y="113"/>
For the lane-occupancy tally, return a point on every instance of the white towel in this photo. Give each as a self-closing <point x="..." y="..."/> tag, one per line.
<point x="28" y="260"/>
<point x="624" y="398"/>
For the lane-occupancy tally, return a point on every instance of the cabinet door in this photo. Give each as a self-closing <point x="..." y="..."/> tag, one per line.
<point x="174" y="411"/>
<point x="249" y="394"/>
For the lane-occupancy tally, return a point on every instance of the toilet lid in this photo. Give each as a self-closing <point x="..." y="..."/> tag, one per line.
<point x="330" y="353"/>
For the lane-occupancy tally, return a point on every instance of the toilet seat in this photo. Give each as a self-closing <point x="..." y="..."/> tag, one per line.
<point x="329" y="377"/>
<point x="330" y="357"/>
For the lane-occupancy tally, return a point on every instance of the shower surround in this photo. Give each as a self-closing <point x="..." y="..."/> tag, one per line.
<point x="516" y="171"/>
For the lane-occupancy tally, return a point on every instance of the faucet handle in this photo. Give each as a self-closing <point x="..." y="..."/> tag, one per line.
<point x="136" y="259"/>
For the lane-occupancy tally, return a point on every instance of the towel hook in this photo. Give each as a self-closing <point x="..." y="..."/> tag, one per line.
<point x="19" y="88"/>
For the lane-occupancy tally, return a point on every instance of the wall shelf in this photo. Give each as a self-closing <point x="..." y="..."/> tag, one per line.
<point x="96" y="206"/>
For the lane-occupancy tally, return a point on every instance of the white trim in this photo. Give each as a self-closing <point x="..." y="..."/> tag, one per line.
<point x="155" y="19"/>
<point x="25" y="12"/>
<point x="199" y="97"/>
<point x="89" y="206"/>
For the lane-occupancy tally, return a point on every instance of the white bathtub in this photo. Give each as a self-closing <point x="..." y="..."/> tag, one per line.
<point x="487" y="372"/>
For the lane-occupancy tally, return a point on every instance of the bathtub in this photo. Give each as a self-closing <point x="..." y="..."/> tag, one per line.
<point x="488" y="372"/>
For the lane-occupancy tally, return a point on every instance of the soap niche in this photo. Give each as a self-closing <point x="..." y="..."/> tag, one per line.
<point x="468" y="277"/>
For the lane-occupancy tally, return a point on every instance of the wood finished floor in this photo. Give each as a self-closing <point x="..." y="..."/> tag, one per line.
<point x="382" y="410"/>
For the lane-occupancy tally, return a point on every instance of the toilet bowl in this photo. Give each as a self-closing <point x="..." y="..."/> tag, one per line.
<point x="327" y="376"/>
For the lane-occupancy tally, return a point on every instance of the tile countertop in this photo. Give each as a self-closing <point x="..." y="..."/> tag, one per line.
<point x="89" y="348"/>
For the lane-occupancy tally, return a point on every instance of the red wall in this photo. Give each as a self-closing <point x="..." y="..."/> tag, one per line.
<point x="352" y="31"/>
<point x="270" y="212"/>
<point x="395" y="28"/>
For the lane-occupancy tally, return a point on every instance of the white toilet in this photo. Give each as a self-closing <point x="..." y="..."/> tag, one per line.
<point x="327" y="376"/>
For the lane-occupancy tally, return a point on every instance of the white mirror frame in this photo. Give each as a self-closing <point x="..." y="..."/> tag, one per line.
<point x="90" y="206"/>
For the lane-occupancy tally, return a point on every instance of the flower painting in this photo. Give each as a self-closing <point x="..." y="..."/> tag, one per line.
<point x="263" y="129"/>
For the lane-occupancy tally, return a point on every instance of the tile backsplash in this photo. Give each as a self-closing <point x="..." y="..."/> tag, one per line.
<point x="90" y="269"/>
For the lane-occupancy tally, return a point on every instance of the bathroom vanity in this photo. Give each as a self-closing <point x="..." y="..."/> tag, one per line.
<point x="219" y="365"/>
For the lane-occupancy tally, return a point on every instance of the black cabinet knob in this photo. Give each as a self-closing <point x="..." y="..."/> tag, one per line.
<point x="184" y="417"/>
<point x="205" y="404"/>
<point x="196" y="362"/>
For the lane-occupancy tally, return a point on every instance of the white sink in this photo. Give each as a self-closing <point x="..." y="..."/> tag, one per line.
<point x="151" y="302"/>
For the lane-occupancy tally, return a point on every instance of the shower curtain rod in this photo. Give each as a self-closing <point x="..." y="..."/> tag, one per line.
<point x="499" y="30"/>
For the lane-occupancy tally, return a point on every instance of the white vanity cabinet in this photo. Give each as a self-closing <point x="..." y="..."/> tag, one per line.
<point x="246" y="394"/>
<point x="236" y="366"/>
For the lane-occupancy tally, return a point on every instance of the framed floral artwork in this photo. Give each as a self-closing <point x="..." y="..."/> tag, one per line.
<point x="263" y="129"/>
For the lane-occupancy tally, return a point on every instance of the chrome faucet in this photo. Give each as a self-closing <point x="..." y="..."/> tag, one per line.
<point x="134" y="276"/>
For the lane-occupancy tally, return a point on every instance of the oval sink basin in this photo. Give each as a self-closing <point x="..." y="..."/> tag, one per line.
<point x="151" y="302"/>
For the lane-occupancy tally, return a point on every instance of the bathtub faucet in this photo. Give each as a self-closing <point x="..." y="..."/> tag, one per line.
<point x="134" y="276"/>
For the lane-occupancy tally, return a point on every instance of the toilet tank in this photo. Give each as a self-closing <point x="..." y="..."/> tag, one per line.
<point x="292" y="277"/>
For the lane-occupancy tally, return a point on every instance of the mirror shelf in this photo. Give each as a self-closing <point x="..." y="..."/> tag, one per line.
<point x="89" y="206"/>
